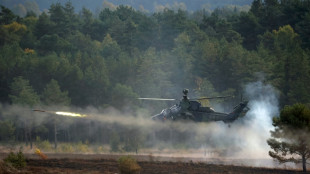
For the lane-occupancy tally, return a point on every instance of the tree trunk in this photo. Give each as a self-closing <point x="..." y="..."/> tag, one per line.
<point x="304" y="167"/>
<point x="68" y="135"/>
<point x="30" y="138"/>
<point x="55" y="135"/>
<point x="25" y="134"/>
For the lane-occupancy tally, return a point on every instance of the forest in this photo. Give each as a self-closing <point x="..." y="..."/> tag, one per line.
<point x="76" y="59"/>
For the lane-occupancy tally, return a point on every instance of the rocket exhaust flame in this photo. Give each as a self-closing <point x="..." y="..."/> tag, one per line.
<point x="69" y="114"/>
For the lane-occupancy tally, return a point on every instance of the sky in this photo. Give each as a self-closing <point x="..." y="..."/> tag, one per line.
<point x="147" y="6"/>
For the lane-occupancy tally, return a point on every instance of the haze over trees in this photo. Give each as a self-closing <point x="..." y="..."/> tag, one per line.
<point x="114" y="57"/>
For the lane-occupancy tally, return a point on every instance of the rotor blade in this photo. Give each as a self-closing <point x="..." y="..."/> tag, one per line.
<point x="203" y="98"/>
<point x="159" y="99"/>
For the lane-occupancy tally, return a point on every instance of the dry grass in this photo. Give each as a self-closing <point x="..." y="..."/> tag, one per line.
<point x="150" y="163"/>
<point x="7" y="169"/>
<point x="128" y="165"/>
<point x="108" y="165"/>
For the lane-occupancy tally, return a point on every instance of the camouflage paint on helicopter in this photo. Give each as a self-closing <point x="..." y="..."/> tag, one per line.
<point x="191" y="109"/>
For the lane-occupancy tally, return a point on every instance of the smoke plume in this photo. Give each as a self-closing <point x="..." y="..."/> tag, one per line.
<point x="244" y="139"/>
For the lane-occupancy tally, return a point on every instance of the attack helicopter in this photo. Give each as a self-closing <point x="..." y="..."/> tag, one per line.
<point x="192" y="109"/>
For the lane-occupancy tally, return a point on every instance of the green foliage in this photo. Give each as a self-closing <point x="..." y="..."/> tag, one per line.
<point x="290" y="64"/>
<point x="22" y="93"/>
<point x="10" y="59"/>
<point x="125" y="94"/>
<point x="17" y="160"/>
<point x="114" y="143"/>
<point x="153" y="54"/>
<point x="205" y="88"/>
<point x="53" y="43"/>
<point x="154" y="73"/>
<point x="52" y="95"/>
<point x="43" y="26"/>
<point x="63" y="18"/>
<point x="13" y="33"/>
<point x="43" y="145"/>
<point x="6" y="130"/>
<point x="41" y="131"/>
<point x="290" y="139"/>
<point x="110" y="48"/>
<point x="6" y="16"/>
<point x="112" y="57"/>
<point x="296" y="116"/>
<point x="302" y="29"/>
<point x="226" y="65"/>
<point x="250" y="28"/>
<point x="128" y="165"/>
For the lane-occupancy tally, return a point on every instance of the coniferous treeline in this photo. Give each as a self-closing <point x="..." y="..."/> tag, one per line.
<point x="75" y="59"/>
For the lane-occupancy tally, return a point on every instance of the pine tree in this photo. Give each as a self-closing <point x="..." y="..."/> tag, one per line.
<point x="22" y="93"/>
<point x="291" y="66"/>
<point x="290" y="139"/>
<point x="52" y="95"/>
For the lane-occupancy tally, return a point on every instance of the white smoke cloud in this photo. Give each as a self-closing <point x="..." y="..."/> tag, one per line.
<point x="244" y="139"/>
<point x="258" y="120"/>
<point x="142" y="9"/>
<point x="161" y="8"/>
<point x="109" y="5"/>
<point x="175" y="6"/>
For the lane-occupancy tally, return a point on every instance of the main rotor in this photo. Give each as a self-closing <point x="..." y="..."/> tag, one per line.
<point x="185" y="92"/>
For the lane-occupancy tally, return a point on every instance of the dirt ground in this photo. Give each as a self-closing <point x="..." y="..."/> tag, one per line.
<point x="107" y="164"/>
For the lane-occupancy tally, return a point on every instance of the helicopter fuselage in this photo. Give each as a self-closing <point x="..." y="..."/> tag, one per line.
<point x="195" y="112"/>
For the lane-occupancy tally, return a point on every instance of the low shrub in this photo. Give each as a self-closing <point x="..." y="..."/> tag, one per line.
<point x="43" y="145"/>
<point x="99" y="149"/>
<point x="17" y="160"/>
<point x="81" y="148"/>
<point x="67" y="148"/>
<point x="128" y="165"/>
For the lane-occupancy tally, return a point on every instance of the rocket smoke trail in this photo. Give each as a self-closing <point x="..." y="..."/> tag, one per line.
<point x="70" y="114"/>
